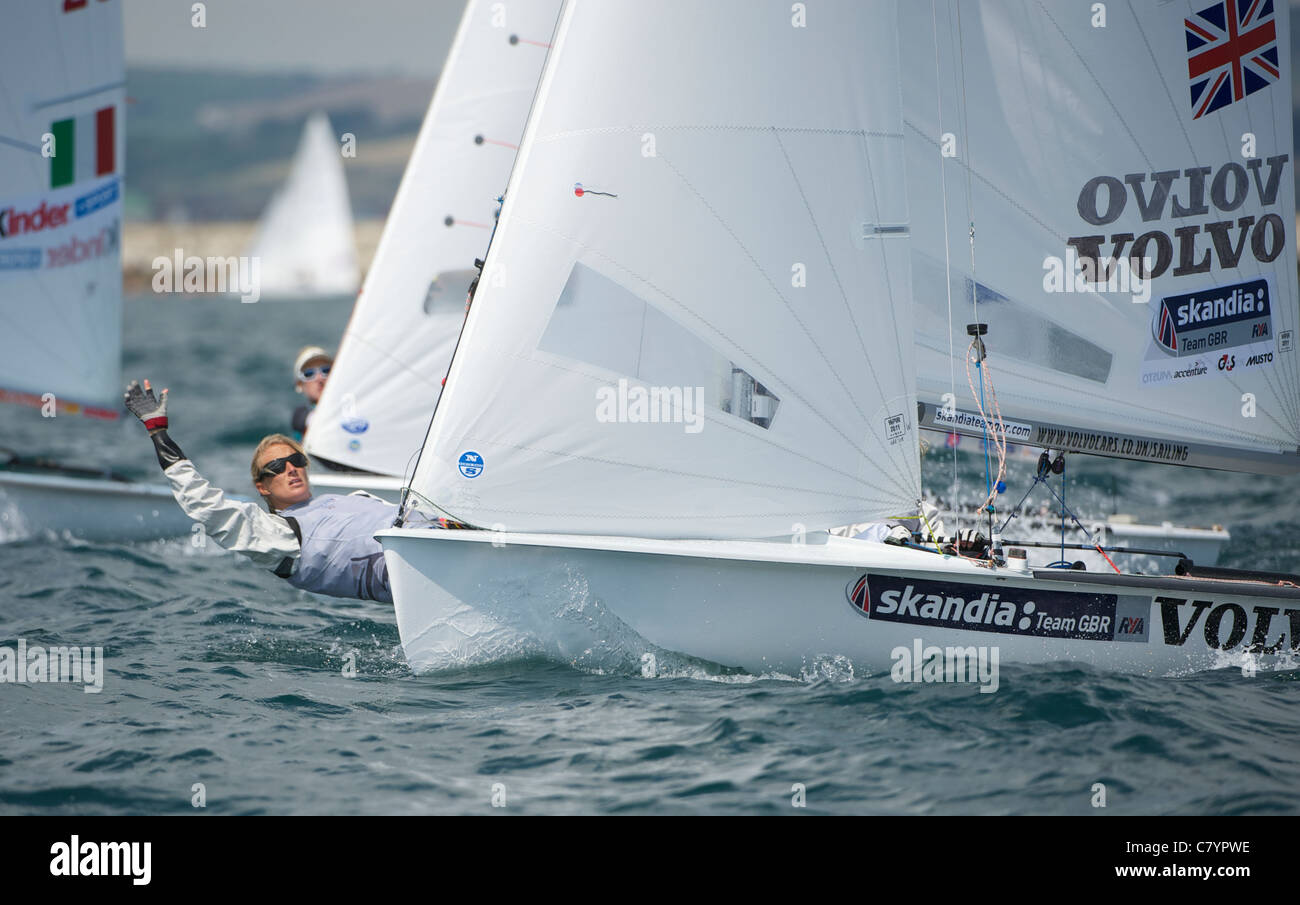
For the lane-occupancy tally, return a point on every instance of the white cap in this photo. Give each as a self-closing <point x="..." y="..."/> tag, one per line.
<point x="307" y="354"/>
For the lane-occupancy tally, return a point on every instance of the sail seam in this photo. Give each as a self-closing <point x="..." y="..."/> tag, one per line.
<point x="807" y="333"/>
<point x="821" y="241"/>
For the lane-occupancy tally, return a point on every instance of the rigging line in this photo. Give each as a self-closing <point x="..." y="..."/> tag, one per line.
<point x="686" y="312"/>
<point x="79" y="95"/>
<point x="812" y="219"/>
<point x="947" y="261"/>
<point x="977" y="344"/>
<point x="790" y="309"/>
<point x="20" y="145"/>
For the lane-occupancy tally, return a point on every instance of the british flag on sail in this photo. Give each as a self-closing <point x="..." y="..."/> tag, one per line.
<point x="1232" y="52"/>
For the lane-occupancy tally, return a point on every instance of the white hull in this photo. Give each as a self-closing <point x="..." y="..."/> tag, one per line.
<point x="37" y="505"/>
<point x="382" y="486"/>
<point x="466" y="596"/>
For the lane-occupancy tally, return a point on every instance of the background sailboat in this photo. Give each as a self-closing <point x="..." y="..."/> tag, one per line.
<point x="61" y="170"/>
<point x="304" y="241"/>
<point x="394" y="354"/>
<point x="699" y="193"/>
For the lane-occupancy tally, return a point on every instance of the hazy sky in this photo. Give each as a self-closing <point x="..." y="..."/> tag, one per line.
<point x="321" y="36"/>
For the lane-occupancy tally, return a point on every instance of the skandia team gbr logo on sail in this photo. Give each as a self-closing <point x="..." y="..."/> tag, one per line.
<point x="1231" y="52"/>
<point x="1224" y="317"/>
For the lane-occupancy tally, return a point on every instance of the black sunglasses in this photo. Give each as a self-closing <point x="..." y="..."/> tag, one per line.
<point x="276" y="466"/>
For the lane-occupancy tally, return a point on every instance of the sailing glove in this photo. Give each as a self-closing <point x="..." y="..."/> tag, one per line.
<point x="142" y="403"/>
<point x="152" y="412"/>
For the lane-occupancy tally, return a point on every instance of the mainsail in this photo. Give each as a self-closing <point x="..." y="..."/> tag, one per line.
<point x="412" y="305"/>
<point x="61" y="165"/>
<point x="694" y="319"/>
<point x="304" y="241"/>
<point x="1044" y="133"/>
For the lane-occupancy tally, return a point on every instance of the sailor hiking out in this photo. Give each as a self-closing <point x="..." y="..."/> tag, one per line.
<point x="320" y="543"/>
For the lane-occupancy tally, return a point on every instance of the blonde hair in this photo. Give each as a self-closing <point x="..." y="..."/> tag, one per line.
<point x="268" y="441"/>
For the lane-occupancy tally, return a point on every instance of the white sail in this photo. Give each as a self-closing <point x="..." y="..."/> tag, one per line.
<point x="304" y="242"/>
<point x="694" y="319"/>
<point x="61" y="165"/>
<point x="389" y="370"/>
<point x="1061" y="130"/>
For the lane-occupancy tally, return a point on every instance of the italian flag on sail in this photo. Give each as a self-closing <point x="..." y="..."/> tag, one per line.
<point x="83" y="147"/>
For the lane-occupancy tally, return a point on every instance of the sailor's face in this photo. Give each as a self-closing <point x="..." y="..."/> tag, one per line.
<point x="287" y="488"/>
<point x="313" y="387"/>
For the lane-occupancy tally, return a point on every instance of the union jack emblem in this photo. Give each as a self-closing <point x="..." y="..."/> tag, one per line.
<point x="1232" y="52"/>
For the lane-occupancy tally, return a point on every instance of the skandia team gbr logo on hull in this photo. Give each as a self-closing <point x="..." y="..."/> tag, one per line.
<point x="1006" y="611"/>
<point x="1231" y="52"/>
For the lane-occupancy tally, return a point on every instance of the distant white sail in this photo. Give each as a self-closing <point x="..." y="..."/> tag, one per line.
<point x="305" y="241"/>
<point x="61" y="163"/>
<point x="694" y="319"/>
<point x="394" y="355"/>
<point x="1162" y="130"/>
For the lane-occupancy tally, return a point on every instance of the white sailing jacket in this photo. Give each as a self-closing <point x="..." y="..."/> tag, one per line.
<point x="324" y="545"/>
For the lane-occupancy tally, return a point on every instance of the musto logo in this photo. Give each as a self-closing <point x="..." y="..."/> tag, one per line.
<point x="1229" y="325"/>
<point x="1010" y="611"/>
<point x="1227" y="626"/>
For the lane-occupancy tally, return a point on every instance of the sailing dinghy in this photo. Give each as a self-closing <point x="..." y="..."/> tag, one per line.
<point x="396" y="348"/>
<point x="304" y="242"/>
<point x="702" y="350"/>
<point x="61" y="164"/>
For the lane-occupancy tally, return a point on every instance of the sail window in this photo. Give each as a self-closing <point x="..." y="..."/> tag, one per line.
<point x="600" y="322"/>
<point x="447" y="291"/>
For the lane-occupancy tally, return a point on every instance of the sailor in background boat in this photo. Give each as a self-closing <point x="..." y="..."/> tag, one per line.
<point x="320" y="543"/>
<point x="310" y="370"/>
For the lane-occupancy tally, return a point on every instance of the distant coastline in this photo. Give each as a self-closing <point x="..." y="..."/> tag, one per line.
<point x="144" y="242"/>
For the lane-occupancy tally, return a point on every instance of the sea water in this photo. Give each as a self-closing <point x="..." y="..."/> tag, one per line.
<point x="226" y="690"/>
